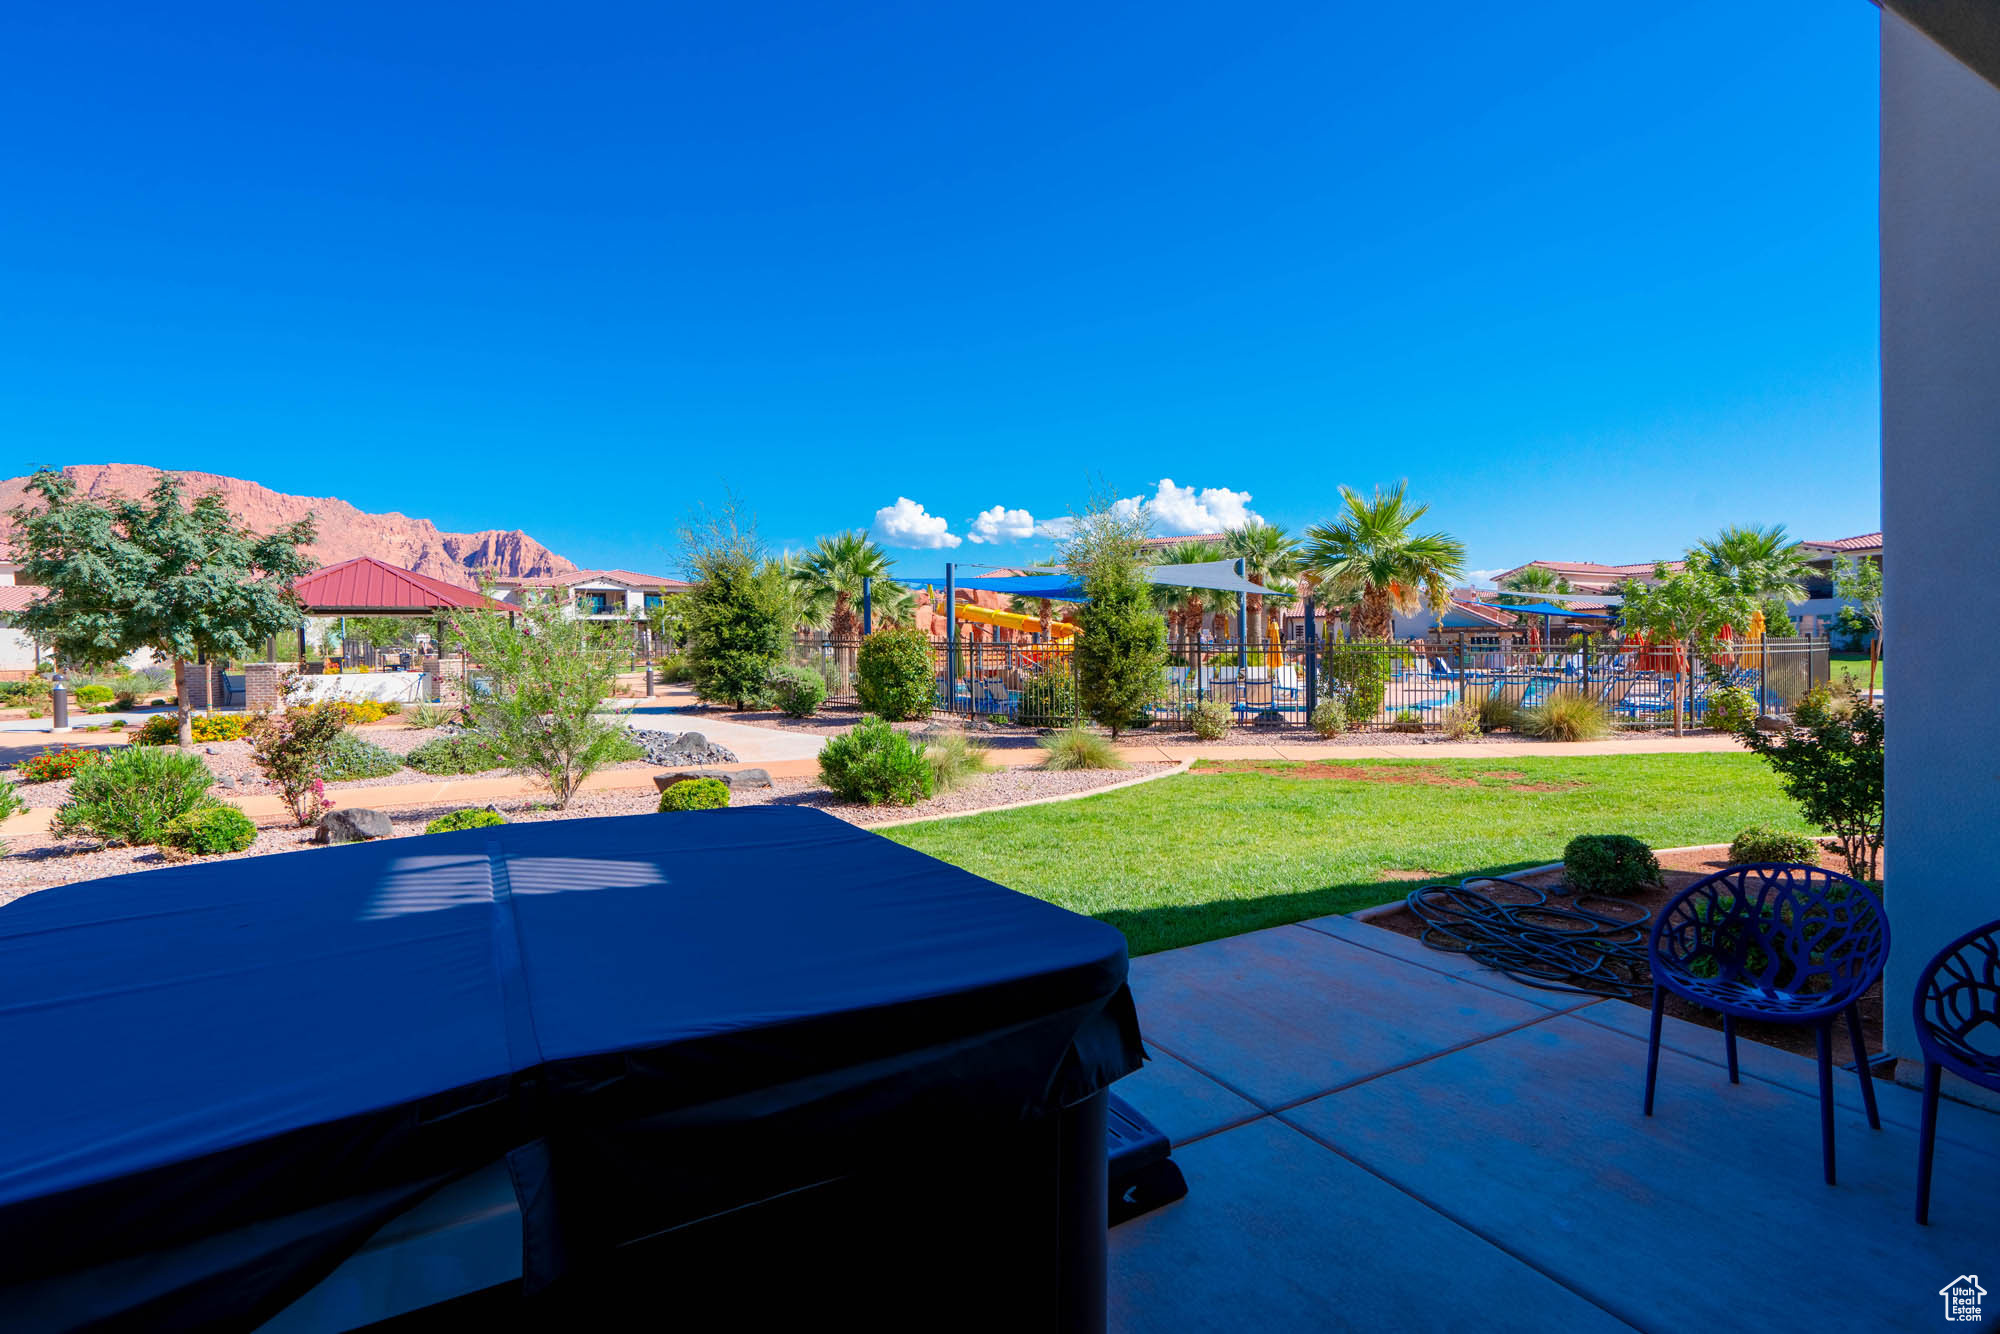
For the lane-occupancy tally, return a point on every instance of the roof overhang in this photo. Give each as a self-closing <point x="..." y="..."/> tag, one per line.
<point x="1968" y="29"/>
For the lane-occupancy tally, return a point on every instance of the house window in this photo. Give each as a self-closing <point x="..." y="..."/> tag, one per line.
<point x="600" y="604"/>
<point x="655" y="600"/>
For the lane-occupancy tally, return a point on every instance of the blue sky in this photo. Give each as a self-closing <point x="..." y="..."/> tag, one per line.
<point x="1595" y="278"/>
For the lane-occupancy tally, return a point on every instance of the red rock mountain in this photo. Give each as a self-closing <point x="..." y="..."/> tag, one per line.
<point x="344" y="531"/>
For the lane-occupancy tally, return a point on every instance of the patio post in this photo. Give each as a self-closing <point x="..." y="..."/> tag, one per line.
<point x="950" y="637"/>
<point x="1312" y="661"/>
<point x="1242" y="627"/>
<point x="867" y="605"/>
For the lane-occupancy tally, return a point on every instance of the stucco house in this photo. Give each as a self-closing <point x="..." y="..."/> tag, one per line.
<point x="595" y="595"/>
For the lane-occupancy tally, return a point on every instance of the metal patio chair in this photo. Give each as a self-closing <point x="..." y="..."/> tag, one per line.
<point x="1958" y="1029"/>
<point x="1785" y="943"/>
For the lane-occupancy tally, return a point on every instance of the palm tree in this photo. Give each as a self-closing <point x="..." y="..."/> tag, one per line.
<point x="830" y="574"/>
<point x="1192" y="600"/>
<point x="1267" y="552"/>
<point x="1532" y="579"/>
<point x="1370" y="554"/>
<point x="1763" y="562"/>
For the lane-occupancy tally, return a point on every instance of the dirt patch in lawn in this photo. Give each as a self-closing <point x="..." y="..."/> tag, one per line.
<point x="1679" y="870"/>
<point x="1401" y="775"/>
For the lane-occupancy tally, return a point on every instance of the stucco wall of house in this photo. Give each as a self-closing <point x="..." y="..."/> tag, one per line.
<point x="1940" y="221"/>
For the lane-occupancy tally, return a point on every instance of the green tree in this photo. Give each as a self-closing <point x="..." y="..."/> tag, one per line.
<point x="1762" y="562"/>
<point x="1778" y="623"/>
<point x="738" y="610"/>
<point x="186" y="581"/>
<point x="1685" y="610"/>
<point x="1121" y="640"/>
<point x="1269" y="555"/>
<point x="547" y="674"/>
<point x="1832" y="765"/>
<point x="833" y="569"/>
<point x="1529" y="584"/>
<point x="1860" y="582"/>
<point x="666" y="621"/>
<point x="1371" y="556"/>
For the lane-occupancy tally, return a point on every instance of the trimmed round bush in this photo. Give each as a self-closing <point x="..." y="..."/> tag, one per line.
<point x="210" y="828"/>
<point x="1210" y="719"/>
<point x="133" y="794"/>
<point x="1609" y="864"/>
<point x="695" y="794"/>
<point x="349" y="756"/>
<point x="874" y="764"/>
<point x="470" y="818"/>
<point x="1760" y="843"/>
<point x="1731" y="708"/>
<point x="796" y="691"/>
<point x="91" y="694"/>
<point x="1329" y="716"/>
<point x="893" y="674"/>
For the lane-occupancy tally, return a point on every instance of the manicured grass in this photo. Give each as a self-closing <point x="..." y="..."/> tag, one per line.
<point x="1196" y="857"/>
<point x="1854" y="666"/>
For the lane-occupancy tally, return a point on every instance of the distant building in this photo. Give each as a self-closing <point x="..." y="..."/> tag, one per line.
<point x="595" y="595"/>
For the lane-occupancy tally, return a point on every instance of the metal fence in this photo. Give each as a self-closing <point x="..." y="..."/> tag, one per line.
<point x="1402" y="686"/>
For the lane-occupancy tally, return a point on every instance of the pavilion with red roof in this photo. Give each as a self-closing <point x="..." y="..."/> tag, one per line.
<point x="365" y="586"/>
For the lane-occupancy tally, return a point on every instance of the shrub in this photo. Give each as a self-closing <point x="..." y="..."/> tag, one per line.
<point x="162" y="729"/>
<point x="452" y="821"/>
<point x="349" y="757"/>
<point x="1820" y="703"/>
<point x="893" y="674"/>
<point x="1210" y="719"/>
<point x="158" y="730"/>
<point x="453" y="755"/>
<point x="10" y="800"/>
<point x="117" y="724"/>
<point x="1121" y="638"/>
<point x="133" y="794"/>
<point x="797" y="691"/>
<point x="1609" y="864"/>
<point x="1363" y="668"/>
<point x="1497" y="712"/>
<point x="125" y="700"/>
<point x="433" y="715"/>
<point x="52" y="766"/>
<point x="1078" y="748"/>
<point x="211" y="827"/>
<point x="673" y="670"/>
<point x="91" y="694"/>
<point x="875" y="763"/>
<point x="23" y="692"/>
<point x="1048" y="696"/>
<point x="1460" y="719"/>
<point x="1760" y="843"/>
<point x="695" y="794"/>
<point x="1566" y="715"/>
<point x="737" y="613"/>
<point x="1407" y="720"/>
<point x="955" y="757"/>
<point x="1329" y="717"/>
<point x="1832" y="766"/>
<point x="1731" y="708"/>
<point x="293" y="748"/>
<point x="624" y="747"/>
<point x="358" y="711"/>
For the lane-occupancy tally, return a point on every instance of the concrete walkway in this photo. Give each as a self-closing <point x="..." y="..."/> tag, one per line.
<point x="753" y="745"/>
<point x="1379" y="1136"/>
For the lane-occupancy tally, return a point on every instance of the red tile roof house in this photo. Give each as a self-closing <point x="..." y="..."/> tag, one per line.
<point x="596" y="595"/>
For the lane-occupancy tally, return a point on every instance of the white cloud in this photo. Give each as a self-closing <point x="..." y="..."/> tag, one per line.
<point x="1180" y="510"/>
<point x="906" y="524"/>
<point x="1485" y="576"/>
<point x="1059" y="527"/>
<point x="1001" y="524"/>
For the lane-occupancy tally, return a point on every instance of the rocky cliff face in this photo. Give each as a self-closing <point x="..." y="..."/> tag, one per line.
<point x="344" y="531"/>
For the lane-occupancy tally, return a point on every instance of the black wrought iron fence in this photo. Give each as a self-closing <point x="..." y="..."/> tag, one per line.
<point x="1406" y="685"/>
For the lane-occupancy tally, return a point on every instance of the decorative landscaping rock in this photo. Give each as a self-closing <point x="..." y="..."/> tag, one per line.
<point x="689" y="749"/>
<point x="741" y="778"/>
<point x="495" y="810"/>
<point x="352" y="826"/>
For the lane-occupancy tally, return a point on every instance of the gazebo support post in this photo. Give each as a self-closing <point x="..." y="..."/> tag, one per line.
<point x="867" y="605"/>
<point x="950" y="637"/>
<point x="1242" y="626"/>
<point x="1312" y="661"/>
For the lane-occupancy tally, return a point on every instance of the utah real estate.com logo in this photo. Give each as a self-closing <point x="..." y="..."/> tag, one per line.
<point x="1961" y="1298"/>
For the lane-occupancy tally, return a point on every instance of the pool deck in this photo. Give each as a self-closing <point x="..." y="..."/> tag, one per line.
<point x="1378" y="1136"/>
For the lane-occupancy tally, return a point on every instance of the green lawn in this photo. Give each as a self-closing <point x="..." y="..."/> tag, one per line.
<point x="1195" y="857"/>
<point x="1854" y="666"/>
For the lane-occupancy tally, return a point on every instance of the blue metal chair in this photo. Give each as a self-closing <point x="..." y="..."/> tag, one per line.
<point x="1958" y="1029"/>
<point x="1784" y="943"/>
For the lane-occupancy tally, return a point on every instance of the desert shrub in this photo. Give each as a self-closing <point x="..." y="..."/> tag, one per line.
<point x="1079" y="748"/>
<point x="358" y="711"/>
<point x="158" y="730"/>
<point x="24" y="692"/>
<point x="1496" y="712"/>
<point x="1821" y="703"/>
<point x="453" y="755"/>
<point x="673" y="670"/>
<point x="10" y="800"/>
<point x="349" y="757"/>
<point x="132" y="794"/>
<point x="1609" y="864"/>
<point x="1460" y="719"/>
<point x="117" y="724"/>
<point x="1407" y="720"/>
<point x="1329" y="716"/>
<point x="1210" y="719"/>
<point x="162" y="730"/>
<point x="432" y="715"/>
<point x="211" y="827"/>
<point x="1362" y="668"/>
<point x="1831" y="764"/>
<point x="623" y="747"/>
<point x="1566" y="715"/>
<point x="293" y="748"/>
<point x="470" y="818"/>
<point x="695" y="794"/>
<point x="893" y="674"/>
<point x="955" y="757"/>
<point x="1731" y="708"/>
<point x="1760" y="843"/>
<point x="796" y="691"/>
<point x="875" y="763"/>
<point x="92" y="694"/>
<point x="125" y="700"/>
<point x="54" y="765"/>
<point x="1048" y="696"/>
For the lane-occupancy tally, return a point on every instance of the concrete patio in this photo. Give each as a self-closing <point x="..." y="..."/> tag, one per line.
<point x="1380" y="1136"/>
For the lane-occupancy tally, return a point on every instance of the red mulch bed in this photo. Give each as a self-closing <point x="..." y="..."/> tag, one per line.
<point x="1679" y="870"/>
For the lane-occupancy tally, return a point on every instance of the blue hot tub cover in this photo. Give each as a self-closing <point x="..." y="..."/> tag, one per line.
<point x="224" y="1077"/>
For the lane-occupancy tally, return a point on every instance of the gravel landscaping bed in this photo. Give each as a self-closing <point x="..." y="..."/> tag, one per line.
<point x="37" y="861"/>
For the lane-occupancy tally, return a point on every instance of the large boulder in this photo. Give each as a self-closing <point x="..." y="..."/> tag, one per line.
<point x="357" y="825"/>
<point x="735" y="778"/>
